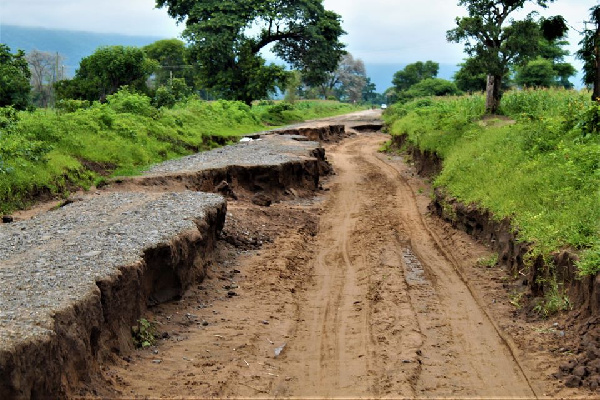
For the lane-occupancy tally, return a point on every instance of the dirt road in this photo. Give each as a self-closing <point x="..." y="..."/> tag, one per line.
<point x="354" y="294"/>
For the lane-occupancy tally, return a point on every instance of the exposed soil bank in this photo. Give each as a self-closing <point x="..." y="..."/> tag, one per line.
<point x="325" y="133"/>
<point x="270" y="165"/>
<point x="500" y="235"/>
<point x="77" y="279"/>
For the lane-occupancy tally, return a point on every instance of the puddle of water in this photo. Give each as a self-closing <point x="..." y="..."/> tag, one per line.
<point x="415" y="274"/>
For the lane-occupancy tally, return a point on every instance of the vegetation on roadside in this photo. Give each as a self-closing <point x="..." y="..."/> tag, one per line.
<point x="144" y="334"/>
<point x="78" y="144"/>
<point x="538" y="164"/>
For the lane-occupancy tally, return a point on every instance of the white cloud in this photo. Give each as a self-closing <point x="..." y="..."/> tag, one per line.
<point x="132" y="17"/>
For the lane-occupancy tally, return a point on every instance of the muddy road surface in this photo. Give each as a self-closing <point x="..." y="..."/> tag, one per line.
<point x="355" y="293"/>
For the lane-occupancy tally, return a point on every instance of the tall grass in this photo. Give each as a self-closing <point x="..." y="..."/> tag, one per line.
<point x="79" y="144"/>
<point x="541" y="168"/>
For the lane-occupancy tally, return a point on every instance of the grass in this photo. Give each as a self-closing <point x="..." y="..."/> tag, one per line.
<point x="79" y="144"/>
<point x="542" y="171"/>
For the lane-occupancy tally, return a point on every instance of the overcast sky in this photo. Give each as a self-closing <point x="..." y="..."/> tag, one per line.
<point x="378" y="31"/>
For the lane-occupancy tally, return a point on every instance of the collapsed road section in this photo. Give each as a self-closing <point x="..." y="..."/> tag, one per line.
<point x="268" y="165"/>
<point x="73" y="281"/>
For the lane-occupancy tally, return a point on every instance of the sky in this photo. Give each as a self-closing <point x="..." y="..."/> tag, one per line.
<point x="378" y="31"/>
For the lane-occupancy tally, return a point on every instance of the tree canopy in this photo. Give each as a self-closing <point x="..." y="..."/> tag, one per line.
<point x="172" y="58"/>
<point x="548" y="69"/>
<point x="414" y="73"/>
<point x="589" y="53"/>
<point x="105" y="71"/>
<point x="14" y="79"/>
<point x="227" y="37"/>
<point x="497" y="42"/>
<point x="429" y="87"/>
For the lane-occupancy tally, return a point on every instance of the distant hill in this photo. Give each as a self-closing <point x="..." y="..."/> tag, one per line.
<point x="73" y="45"/>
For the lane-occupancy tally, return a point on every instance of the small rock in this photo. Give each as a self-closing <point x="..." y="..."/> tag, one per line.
<point x="568" y="366"/>
<point x="573" y="381"/>
<point x="204" y="323"/>
<point x="156" y="361"/>
<point x="7" y="219"/>
<point x="231" y="294"/>
<point x="594" y="382"/>
<point x="225" y="189"/>
<point x="580" y="371"/>
<point x="265" y="322"/>
<point x="261" y="199"/>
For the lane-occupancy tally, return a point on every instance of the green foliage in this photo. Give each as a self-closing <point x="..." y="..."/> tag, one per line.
<point x="588" y="53"/>
<point x="536" y="73"/>
<point x="14" y="79"/>
<point x="70" y="105"/>
<point x="174" y="92"/>
<point x="495" y="41"/>
<point x="280" y="114"/>
<point x="471" y="77"/>
<point x="227" y="36"/>
<point x="414" y="73"/>
<point x="106" y="71"/>
<point x="555" y="300"/>
<point x="172" y="58"/>
<point x="430" y="87"/>
<point x="548" y="69"/>
<point x="488" y="262"/>
<point x="539" y="166"/>
<point x="125" y="101"/>
<point x="143" y="334"/>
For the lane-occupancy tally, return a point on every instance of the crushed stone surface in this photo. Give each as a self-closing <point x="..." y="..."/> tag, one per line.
<point x="52" y="261"/>
<point x="267" y="150"/>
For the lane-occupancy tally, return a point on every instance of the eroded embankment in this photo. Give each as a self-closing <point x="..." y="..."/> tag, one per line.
<point x="538" y="273"/>
<point x="75" y="280"/>
<point x="268" y="166"/>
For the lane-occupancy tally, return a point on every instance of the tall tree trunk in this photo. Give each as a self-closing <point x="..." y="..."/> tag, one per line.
<point x="596" y="93"/>
<point x="493" y="94"/>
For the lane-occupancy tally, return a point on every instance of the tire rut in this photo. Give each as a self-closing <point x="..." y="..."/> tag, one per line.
<point x="388" y="313"/>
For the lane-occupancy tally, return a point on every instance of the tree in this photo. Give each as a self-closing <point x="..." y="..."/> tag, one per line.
<point x="430" y="87"/>
<point x="353" y="78"/>
<point x="471" y="77"/>
<point x="172" y="58"/>
<point x="414" y="73"/>
<point x="495" y="41"/>
<point x="46" y="69"/>
<point x="536" y="73"/>
<point x="549" y="68"/>
<point x="105" y="71"/>
<point x="14" y="79"/>
<point x="227" y="37"/>
<point x="589" y="53"/>
<point x="369" y="93"/>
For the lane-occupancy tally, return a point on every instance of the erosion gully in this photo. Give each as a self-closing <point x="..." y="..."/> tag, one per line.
<point x="356" y="292"/>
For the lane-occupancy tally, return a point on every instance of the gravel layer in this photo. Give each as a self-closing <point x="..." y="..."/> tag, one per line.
<point x="50" y="262"/>
<point x="266" y="151"/>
